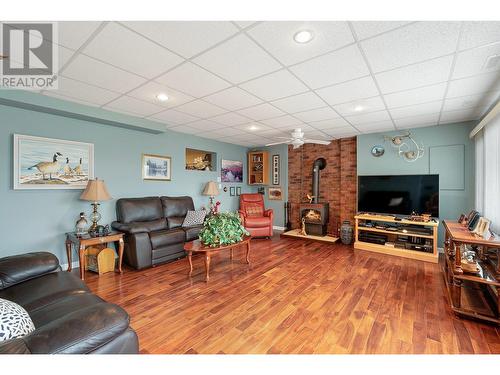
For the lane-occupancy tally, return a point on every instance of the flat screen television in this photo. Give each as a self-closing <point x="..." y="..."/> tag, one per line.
<point x="399" y="195"/>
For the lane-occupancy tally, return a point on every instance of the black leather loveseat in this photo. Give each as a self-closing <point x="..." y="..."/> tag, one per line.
<point x="153" y="229"/>
<point x="68" y="318"/>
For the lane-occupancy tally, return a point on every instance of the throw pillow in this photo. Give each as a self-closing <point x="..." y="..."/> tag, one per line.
<point x="255" y="210"/>
<point x="194" y="218"/>
<point x="14" y="321"/>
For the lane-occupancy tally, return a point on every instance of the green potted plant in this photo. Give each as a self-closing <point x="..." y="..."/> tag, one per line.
<point x="222" y="229"/>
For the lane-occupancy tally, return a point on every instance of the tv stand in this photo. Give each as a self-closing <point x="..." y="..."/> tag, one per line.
<point x="405" y="238"/>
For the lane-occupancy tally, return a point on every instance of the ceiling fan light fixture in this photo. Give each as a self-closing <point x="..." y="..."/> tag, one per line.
<point x="303" y="36"/>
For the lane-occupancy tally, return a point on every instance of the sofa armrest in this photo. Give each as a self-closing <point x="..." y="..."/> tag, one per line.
<point x="130" y="228"/>
<point x="18" y="268"/>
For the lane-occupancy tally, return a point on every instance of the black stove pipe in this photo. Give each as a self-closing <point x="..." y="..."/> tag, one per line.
<point x="319" y="164"/>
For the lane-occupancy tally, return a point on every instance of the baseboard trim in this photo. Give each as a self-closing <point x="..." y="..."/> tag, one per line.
<point x="75" y="264"/>
<point x="278" y="228"/>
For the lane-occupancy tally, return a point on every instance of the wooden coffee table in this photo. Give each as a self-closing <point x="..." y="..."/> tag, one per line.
<point x="197" y="247"/>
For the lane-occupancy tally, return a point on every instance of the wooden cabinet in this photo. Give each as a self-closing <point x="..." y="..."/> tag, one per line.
<point x="258" y="168"/>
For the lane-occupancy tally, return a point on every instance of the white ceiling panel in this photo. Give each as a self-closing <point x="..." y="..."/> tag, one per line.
<point x="150" y="91"/>
<point x="226" y="132"/>
<point x="339" y="66"/>
<point x="193" y="80"/>
<point x="253" y="127"/>
<point x="346" y="92"/>
<point x="87" y="69"/>
<point x="56" y="95"/>
<point x="134" y="106"/>
<point x="417" y="121"/>
<point x="473" y="61"/>
<point x="330" y="124"/>
<point x="230" y="119"/>
<point x="275" y="85"/>
<point x="261" y="112"/>
<point x="360" y="106"/>
<point x="348" y="131"/>
<point x="173" y="118"/>
<point x="277" y="38"/>
<point x="416" y="96"/>
<point x="418" y="109"/>
<point x="367" y="29"/>
<point x="82" y="91"/>
<point x="280" y="122"/>
<point x="426" y="73"/>
<point x="471" y="101"/>
<point x="205" y="125"/>
<point x="201" y="109"/>
<point x="185" y="129"/>
<point x="478" y="33"/>
<point x="134" y="55"/>
<point x="187" y="38"/>
<point x="368" y="117"/>
<point x="299" y="103"/>
<point x="233" y="99"/>
<point x="474" y="85"/>
<point x="73" y="34"/>
<point x="376" y="126"/>
<point x="244" y="24"/>
<point x="317" y="114"/>
<point x="463" y="115"/>
<point x="237" y="60"/>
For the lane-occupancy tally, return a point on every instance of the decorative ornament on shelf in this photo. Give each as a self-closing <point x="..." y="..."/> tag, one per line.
<point x="409" y="150"/>
<point x="222" y="229"/>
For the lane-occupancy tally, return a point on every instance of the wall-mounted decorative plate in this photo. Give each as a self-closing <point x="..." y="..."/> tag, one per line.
<point x="378" y="151"/>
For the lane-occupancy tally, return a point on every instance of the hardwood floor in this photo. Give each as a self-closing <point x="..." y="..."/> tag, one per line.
<point x="295" y="297"/>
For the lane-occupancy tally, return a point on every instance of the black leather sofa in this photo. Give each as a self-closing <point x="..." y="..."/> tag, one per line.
<point x="153" y="229"/>
<point x="68" y="318"/>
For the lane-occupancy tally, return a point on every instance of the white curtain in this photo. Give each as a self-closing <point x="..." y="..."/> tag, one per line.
<point x="488" y="173"/>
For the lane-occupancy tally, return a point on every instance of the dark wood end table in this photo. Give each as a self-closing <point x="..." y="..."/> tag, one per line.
<point x="81" y="242"/>
<point x="197" y="247"/>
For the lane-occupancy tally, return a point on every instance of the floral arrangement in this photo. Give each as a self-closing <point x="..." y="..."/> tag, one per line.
<point x="222" y="229"/>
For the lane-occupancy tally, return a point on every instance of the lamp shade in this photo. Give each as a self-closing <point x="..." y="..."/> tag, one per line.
<point x="95" y="191"/>
<point x="211" y="189"/>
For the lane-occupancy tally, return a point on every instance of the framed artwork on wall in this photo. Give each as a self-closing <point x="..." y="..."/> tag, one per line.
<point x="274" y="193"/>
<point x="48" y="163"/>
<point x="232" y="191"/>
<point x="238" y="191"/>
<point x="156" y="167"/>
<point x="232" y="171"/>
<point x="276" y="169"/>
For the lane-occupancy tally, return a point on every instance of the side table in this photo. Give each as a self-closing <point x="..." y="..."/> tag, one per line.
<point x="81" y="242"/>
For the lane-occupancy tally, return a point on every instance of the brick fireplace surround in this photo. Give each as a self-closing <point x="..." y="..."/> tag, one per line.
<point x="337" y="184"/>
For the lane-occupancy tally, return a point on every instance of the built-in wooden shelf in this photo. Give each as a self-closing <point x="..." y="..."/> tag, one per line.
<point x="258" y="168"/>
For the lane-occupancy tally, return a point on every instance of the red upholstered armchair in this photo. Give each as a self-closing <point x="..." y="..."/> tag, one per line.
<point x="256" y="219"/>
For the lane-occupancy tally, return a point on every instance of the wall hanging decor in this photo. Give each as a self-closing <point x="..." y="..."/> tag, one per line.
<point x="232" y="191"/>
<point x="156" y="167"/>
<point x="275" y="193"/>
<point x="199" y="160"/>
<point x="238" y="191"/>
<point x="377" y="151"/>
<point x="47" y="163"/>
<point x="276" y="169"/>
<point x="232" y="171"/>
<point x="407" y="146"/>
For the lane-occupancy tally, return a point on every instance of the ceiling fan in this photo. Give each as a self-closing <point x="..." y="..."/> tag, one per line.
<point x="297" y="139"/>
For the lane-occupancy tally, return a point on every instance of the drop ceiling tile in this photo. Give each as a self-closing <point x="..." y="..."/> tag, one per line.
<point x="275" y="85"/>
<point x="82" y="91"/>
<point x="317" y="135"/>
<point x="201" y="109"/>
<point x="345" y="92"/>
<point x="416" y="96"/>
<point x="187" y="38"/>
<point x="72" y="34"/>
<point x="344" y="132"/>
<point x="304" y="127"/>
<point x="330" y="124"/>
<point x="411" y="44"/>
<point x="360" y="106"/>
<point x="299" y="103"/>
<point x="426" y="73"/>
<point x="318" y="114"/>
<point x="283" y="121"/>
<point x="335" y="67"/>
<point x="463" y="115"/>
<point x="415" y="110"/>
<point x="233" y="99"/>
<point x="244" y="24"/>
<point x="205" y="125"/>
<point x="277" y="38"/>
<point x="230" y="119"/>
<point x="238" y="59"/>
<point x="192" y="80"/>
<point x="417" y="121"/>
<point x="56" y="95"/>
<point x="271" y="133"/>
<point x="137" y="55"/>
<point x="64" y="55"/>
<point x="478" y="33"/>
<point x="473" y="61"/>
<point x="134" y="106"/>
<point x="255" y="128"/>
<point x="367" y="29"/>
<point x="174" y="118"/>
<point x="226" y="132"/>
<point x="185" y="129"/>
<point x="368" y="117"/>
<point x="374" y="127"/>
<point x="150" y="90"/>
<point x="87" y="69"/>
<point x="261" y="112"/>
<point x="474" y="85"/>
<point x="471" y="101"/>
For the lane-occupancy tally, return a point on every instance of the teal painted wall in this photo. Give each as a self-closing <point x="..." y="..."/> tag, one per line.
<point x="448" y="152"/>
<point x="34" y="220"/>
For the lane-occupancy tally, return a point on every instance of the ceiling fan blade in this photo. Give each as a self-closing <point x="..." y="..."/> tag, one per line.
<point x="317" y="141"/>
<point x="278" y="143"/>
<point x="290" y="139"/>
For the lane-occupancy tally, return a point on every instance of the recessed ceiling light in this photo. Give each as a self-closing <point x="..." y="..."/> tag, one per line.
<point x="359" y="108"/>
<point x="303" y="36"/>
<point x="253" y="128"/>
<point x="162" y="97"/>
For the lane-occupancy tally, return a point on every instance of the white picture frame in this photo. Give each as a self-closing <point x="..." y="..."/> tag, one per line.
<point x="34" y="168"/>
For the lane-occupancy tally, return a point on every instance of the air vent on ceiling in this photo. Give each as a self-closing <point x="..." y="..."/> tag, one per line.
<point x="492" y="62"/>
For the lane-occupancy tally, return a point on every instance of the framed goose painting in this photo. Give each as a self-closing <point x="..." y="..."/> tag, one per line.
<point x="47" y="163"/>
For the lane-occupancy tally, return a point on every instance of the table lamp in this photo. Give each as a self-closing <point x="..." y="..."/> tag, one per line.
<point x="211" y="190"/>
<point x="95" y="192"/>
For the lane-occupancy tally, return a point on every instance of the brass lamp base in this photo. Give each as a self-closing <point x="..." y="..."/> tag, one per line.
<point x="95" y="217"/>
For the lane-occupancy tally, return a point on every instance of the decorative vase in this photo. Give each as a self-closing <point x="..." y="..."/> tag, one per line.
<point x="81" y="224"/>
<point x="346" y="232"/>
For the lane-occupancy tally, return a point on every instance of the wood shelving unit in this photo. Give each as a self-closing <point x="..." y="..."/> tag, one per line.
<point x="258" y="168"/>
<point x="404" y="229"/>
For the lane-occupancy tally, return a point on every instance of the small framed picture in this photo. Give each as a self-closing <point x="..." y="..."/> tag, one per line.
<point x="232" y="191"/>
<point x="238" y="190"/>
<point x="274" y="193"/>
<point x="276" y="170"/>
<point x="461" y="219"/>
<point x="156" y="167"/>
